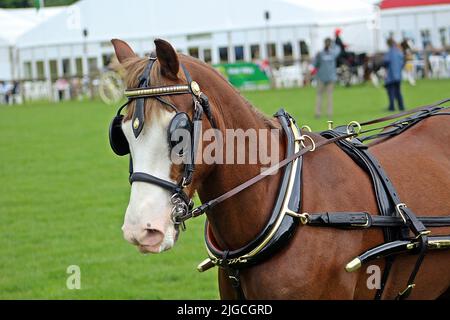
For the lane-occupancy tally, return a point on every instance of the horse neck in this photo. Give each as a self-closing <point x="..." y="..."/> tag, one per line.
<point x="238" y="220"/>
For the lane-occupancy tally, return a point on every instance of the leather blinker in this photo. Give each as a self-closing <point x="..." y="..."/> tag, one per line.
<point x="117" y="139"/>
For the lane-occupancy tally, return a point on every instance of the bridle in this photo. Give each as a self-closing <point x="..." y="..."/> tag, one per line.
<point x="182" y="203"/>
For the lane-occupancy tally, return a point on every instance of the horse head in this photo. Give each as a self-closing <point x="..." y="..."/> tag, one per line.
<point x="161" y="166"/>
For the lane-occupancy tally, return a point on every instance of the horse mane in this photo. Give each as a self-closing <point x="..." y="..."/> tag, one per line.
<point x="268" y="122"/>
<point x="135" y="67"/>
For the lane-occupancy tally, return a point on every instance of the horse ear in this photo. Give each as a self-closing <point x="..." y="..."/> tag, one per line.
<point x="168" y="59"/>
<point x="123" y="50"/>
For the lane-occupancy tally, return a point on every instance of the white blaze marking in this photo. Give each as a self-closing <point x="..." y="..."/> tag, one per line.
<point x="150" y="204"/>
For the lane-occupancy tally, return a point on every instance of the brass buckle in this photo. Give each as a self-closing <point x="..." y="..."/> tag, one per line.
<point x="362" y="225"/>
<point x="398" y="208"/>
<point x="423" y="233"/>
<point x="184" y="183"/>
<point x="408" y="289"/>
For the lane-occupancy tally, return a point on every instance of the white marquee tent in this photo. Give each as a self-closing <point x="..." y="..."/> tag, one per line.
<point x="49" y="43"/>
<point x="203" y="27"/>
<point x="135" y="19"/>
<point x="13" y="24"/>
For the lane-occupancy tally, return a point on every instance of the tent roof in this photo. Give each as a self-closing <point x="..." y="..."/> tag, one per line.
<point x="16" y="22"/>
<point x="136" y="19"/>
<point x="394" y="4"/>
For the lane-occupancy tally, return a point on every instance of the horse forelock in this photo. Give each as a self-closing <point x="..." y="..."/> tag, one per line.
<point x="134" y="68"/>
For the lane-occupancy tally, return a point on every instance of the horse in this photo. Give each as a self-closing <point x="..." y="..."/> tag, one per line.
<point x="311" y="264"/>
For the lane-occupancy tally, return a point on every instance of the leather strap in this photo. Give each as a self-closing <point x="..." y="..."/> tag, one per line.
<point x="405" y="113"/>
<point x="171" y="187"/>
<point x="423" y="250"/>
<point x="234" y="276"/>
<point x="353" y="149"/>
<point x="421" y="233"/>
<point x="189" y="167"/>
<point x="364" y="220"/>
<point x="204" y="101"/>
<point x="402" y="125"/>
<point x="138" y="119"/>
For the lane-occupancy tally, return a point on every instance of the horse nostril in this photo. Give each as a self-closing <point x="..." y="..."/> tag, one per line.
<point x="151" y="238"/>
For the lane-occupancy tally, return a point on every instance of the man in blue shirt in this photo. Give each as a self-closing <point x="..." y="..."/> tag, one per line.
<point x="394" y="63"/>
<point x="325" y="63"/>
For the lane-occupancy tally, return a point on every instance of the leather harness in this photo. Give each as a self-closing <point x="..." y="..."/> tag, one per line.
<point x="397" y="220"/>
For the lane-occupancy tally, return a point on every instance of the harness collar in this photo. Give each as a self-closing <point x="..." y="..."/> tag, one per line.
<point x="283" y="220"/>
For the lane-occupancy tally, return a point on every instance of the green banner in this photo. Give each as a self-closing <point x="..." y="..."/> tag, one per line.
<point x="244" y="75"/>
<point x="38" y="4"/>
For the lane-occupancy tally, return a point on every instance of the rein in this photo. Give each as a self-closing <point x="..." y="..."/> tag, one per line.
<point x="405" y="113"/>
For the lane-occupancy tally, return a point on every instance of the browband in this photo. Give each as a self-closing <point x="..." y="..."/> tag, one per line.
<point x="157" y="91"/>
<point x="146" y="91"/>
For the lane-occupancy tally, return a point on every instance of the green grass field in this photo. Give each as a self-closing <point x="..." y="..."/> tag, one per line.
<point x="63" y="195"/>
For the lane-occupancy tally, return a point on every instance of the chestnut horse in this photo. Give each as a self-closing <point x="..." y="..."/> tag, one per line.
<point x="311" y="265"/>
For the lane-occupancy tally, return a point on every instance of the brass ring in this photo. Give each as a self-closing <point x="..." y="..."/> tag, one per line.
<point x="304" y="218"/>
<point x="355" y="126"/>
<point x="313" y="144"/>
<point x="307" y="128"/>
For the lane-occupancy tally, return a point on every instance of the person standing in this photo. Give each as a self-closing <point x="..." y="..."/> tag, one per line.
<point x="394" y="62"/>
<point x="2" y="92"/>
<point x="325" y="64"/>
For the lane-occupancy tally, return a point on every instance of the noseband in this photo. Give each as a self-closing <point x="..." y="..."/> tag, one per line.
<point x="182" y="203"/>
